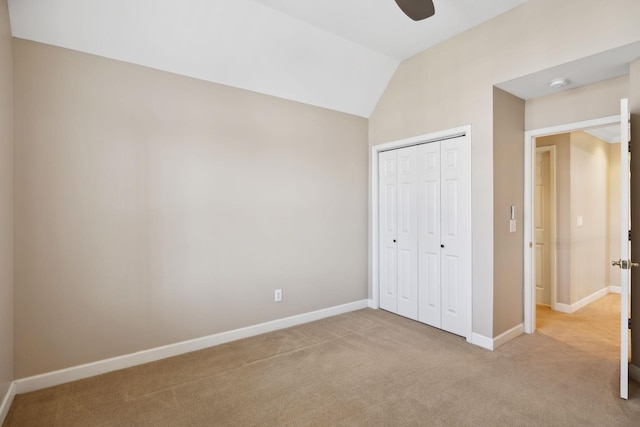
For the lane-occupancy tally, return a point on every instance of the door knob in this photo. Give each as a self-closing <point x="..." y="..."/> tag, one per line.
<point x="625" y="264"/>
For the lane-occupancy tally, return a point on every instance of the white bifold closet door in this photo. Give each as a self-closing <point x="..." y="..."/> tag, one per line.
<point x="425" y="241"/>
<point x="398" y="229"/>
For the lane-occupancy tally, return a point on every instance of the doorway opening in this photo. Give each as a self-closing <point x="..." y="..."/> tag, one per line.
<point x="576" y="217"/>
<point x="577" y="220"/>
<point x="577" y="233"/>
<point x="574" y="237"/>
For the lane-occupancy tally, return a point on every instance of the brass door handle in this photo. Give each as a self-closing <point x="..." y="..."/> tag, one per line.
<point x="614" y="263"/>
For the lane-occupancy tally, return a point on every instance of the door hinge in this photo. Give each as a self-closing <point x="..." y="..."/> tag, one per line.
<point x="629" y="235"/>
<point x="629" y="323"/>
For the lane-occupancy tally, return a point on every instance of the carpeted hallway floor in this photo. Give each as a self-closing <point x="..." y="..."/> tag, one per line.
<point x="364" y="368"/>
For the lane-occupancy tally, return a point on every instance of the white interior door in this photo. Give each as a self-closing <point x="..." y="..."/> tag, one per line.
<point x="425" y="233"/>
<point x="455" y="267"/>
<point x="429" y="242"/>
<point x="399" y="231"/>
<point x="444" y="269"/>
<point x="625" y="251"/>
<point x="388" y="230"/>
<point x="542" y="220"/>
<point x="408" y="232"/>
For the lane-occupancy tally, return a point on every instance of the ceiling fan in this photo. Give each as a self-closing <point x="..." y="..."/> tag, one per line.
<point x="417" y="9"/>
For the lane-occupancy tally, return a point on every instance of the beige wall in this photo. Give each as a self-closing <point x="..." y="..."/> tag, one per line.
<point x="153" y="208"/>
<point x="6" y="202"/>
<point x="451" y="84"/>
<point x="588" y="102"/>
<point x="589" y="197"/>
<point x="508" y="176"/>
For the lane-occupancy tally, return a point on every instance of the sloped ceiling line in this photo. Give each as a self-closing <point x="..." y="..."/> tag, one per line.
<point x="336" y="54"/>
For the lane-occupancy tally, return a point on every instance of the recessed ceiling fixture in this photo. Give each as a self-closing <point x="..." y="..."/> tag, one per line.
<point x="558" y="83"/>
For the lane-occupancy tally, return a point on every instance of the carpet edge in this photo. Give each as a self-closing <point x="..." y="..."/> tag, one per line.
<point x="74" y="373"/>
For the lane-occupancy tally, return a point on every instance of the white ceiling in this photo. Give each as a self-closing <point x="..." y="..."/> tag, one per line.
<point x="595" y="68"/>
<point x="610" y="134"/>
<point x="337" y="54"/>
<point x="381" y="26"/>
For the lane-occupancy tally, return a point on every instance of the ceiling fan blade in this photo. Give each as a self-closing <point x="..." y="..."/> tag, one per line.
<point x="417" y="9"/>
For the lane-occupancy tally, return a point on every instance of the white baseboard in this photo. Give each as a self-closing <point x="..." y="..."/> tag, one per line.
<point x="566" y="308"/>
<point x="74" y="373"/>
<point x="493" y="343"/>
<point x="563" y="308"/>
<point x="372" y="304"/>
<point x="482" y="341"/>
<point x="507" y="336"/>
<point x="6" y="402"/>
<point x="588" y="300"/>
<point x="634" y="372"/>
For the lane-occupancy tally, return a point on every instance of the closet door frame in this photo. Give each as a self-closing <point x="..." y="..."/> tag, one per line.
<point x="374" y="279"/>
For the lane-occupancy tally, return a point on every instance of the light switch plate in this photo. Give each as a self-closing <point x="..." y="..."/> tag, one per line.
<point x="512" y="226"/>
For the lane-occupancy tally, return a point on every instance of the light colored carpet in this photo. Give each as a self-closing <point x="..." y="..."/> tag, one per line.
<point x="365" y="368"/>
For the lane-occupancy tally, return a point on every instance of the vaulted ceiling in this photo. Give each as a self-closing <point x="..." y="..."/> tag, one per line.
<point x="337" y="54"/>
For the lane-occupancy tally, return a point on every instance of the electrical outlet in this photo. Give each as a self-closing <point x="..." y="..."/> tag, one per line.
<point x="278" y="295"/>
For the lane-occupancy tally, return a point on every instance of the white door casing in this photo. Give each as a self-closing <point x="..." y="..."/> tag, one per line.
<point x="542" y="219"/>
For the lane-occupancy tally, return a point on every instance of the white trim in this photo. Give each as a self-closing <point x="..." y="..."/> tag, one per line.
<point x="372" y="304"/>
<point x="6" y="402"/>
<point x="588" y="300"/>
<point x="634" y="372"/>
<point x="529" y="224"/>
<point x="373" y="230"/>
<point x="494" y="343"/>
<point x="481" y="341"/>
<point x="74" y="373"/>
<point x="566" y="308"/>
<point x="373" y="209"/>
<point x="507" y="336"/>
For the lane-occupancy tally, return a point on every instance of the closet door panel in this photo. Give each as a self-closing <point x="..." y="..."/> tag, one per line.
<point x="407" y="177"/>
<point x="429" y="287"/>
<point x="455" y="238"/>
<point x="388" y="231"/>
